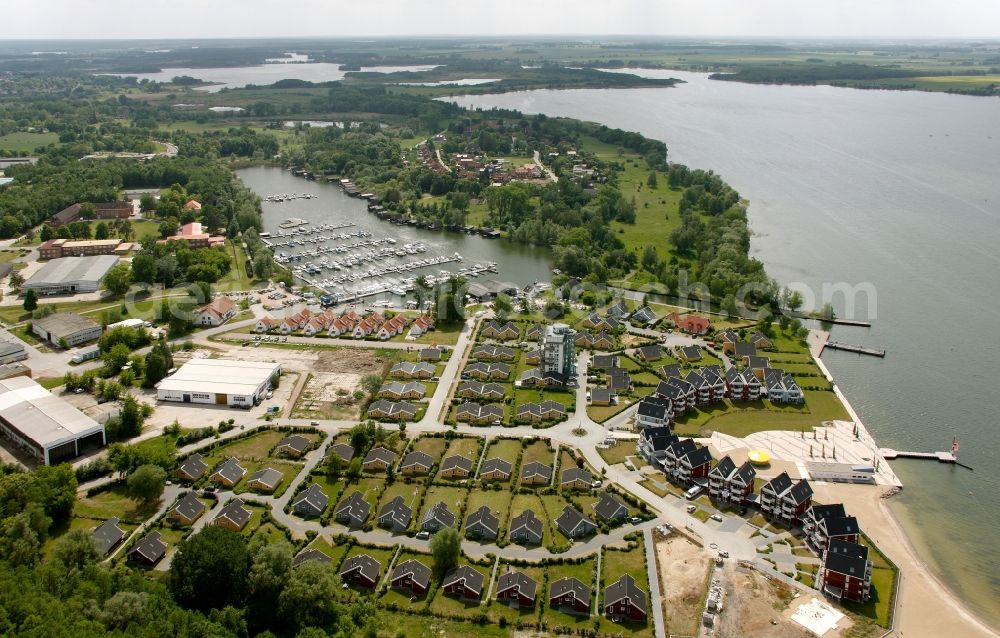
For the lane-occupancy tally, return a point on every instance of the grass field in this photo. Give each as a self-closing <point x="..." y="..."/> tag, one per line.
<point x="409" y="491"/>
<point x="453" y="497"/>
<point x="24" y="142"/>
<point x="537" y="451"/>
<point x="451" y="606"/>
<point x="464" y="446"/>
<point x="617" y="453"/>
<point x="617" y="563"/>
<point x="111" y="503"/>
<point x="507" y="449"/>
<point x="497" y="500"/>
<point x="288" y="471"/>
<point x="256" y="447"/>
<point x="522" y="502"/>
<point x="432" y="445"/>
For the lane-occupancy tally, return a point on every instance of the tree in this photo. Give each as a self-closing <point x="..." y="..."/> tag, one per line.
<point x="76" y="549"/>
<point x="16" y="280"/>
<point x="308" y="600"/>
<point x="30" y="300"/>
<point x="651" y="180"/>
<point x="101" y="231"/>
<point x="158" y="362"/>
<point x="334" y="465"/>
<point x="146" y="483"/>
<point x="46" y="233"/>
<point x="446" y="546"/>
<point x="210" y="568"/>
<point x="794" y="300"/>
<point x="354" y="469"/>
<point x="118" y="279"/>
<point x="371" y="383"/>
<point x="270" y="569"/>
<point x="131" y="418"/>
<point x="116" y="358"/>
<point x="143" y="268"/>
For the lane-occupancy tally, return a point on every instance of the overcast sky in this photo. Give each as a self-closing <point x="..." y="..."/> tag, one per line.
<point x="29" y="19"/>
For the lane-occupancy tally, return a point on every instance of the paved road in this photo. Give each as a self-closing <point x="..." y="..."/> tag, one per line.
<point x="547" y="172"/>
<point x="654" y="585"/>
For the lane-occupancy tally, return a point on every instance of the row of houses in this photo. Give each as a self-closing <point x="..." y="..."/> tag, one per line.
<point x="623" y="599"/>
<point x="346" y="325"/>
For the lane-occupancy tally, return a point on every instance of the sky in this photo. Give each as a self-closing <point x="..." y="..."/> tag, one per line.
<point x="138" y="19"/>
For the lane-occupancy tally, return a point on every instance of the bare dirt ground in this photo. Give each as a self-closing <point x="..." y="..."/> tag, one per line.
<point x="755" y="607"/>
<point x="334" y="378"/>
<point x="683" y="569"/>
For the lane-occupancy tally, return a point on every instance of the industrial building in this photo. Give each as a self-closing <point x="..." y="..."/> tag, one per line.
<point x="11" y="351"/>
<point x="44" y="425"/>
<point x="66" y="329"/>
<point x="69" y="275"/>
<point x="238" y="384"/>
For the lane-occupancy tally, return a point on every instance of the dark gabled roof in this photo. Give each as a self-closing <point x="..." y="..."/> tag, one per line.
<point x="618" y="310"/>
<point x="398" y="510"/>
<point x="695" y="379"/>
<point x="618" y="379"/>
<point x="601" y="394"/>
<point x="659" y="438"/>
<point x="419" y="573"/>
<point x="723" y="468"/>
<point x="758" y="362"/>
<point x="834" y="510"/>
<point x="268" y="476"/>
<point x="669" y="390"/>
<point x="682" y="447"/>
<point x="699" y="456"/>
<point x="779" y="484"/>
<point x="576" y="474"/>
<point x="441" y="514"/>
<point x="314" y="496"/>
<point x="472" y="578"/>
<point x="845" y="557"/>
<point x="565" y="585"/>
<point x="609" y="507"/>
<point x="496" y="465"/>
<point x="480" y="410"/>
<point x="430" y="354"/>
<point x="746" y="473"/>
<point x="189" y="506"/>
<point x="744" y="350"/>
<point x="801" y="492"/>
<point x="604" y="361"/>
<point x="380" y="454"/>
<point x="671" y="370"/>
<point x="356" y="506"/>
<point x="151" y="547"/>
<point x="643" y="314"/>
<point x="343" y="450"/>
<point x="625" y="587"/>
<point x="571" y="518"/>
<point x="534" y="468"/>
<point x="193" y="466"/>
<point x="526" y="586"/>
<point x="549" y="405"/>
<point x="484" y="517"/>
<point x="307" y="555"/>
<point x="296" y="442"/>
<point x="654" y="407"/>
<point x="651" y="352"/>
<point x="416" y="458"/>
<point x="235" y="512"/>
<point x="456" y="461"/>
<point x="691" y="352"/>
<point x="841" y="525"/>
<point x="527" y="519"/>
<point x="231" y="470"/>
<point x="728" y="334"/>
<point x="368" y="566"/>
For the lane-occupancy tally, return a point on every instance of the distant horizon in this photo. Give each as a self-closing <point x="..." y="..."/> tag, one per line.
<point x="552" y="36"/>
<point x="252" y="19"/>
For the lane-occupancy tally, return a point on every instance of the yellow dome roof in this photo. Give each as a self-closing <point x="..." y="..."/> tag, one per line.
<point x="759" y="457"/>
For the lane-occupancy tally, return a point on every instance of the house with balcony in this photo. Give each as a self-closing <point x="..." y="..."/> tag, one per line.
<point x="846" y="573"/>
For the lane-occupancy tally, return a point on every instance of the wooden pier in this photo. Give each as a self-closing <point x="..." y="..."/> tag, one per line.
<point x="836" y="345"/>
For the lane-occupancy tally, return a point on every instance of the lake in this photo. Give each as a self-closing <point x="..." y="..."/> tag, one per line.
<point x="263" y="74"/>
<point x="516" y="263"/>
<point x="896" y="191"/>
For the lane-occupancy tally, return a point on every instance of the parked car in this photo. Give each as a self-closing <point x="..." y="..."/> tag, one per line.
<point x="691" y="508"/>
<point x="716" y="517"/>
<point x="423" y="535"/>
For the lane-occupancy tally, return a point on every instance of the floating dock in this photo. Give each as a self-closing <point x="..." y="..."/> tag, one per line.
<point x="874" y="352"/>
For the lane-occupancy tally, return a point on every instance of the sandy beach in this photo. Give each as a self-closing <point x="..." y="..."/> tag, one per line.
<point x="926" y="607"/>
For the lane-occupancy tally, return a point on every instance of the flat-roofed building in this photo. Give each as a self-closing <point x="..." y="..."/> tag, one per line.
<point x="11" y="351"/>
<point x="44" y="425"/>
<point x="68" y="275"/>
<point x="66" y="329"/>
<point x="238" y="384"/>
<point x="56" y="248"/>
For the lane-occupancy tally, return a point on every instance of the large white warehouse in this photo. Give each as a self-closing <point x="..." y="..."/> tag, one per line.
<point x="238" y="384"/>
<point x="44" y="425"/>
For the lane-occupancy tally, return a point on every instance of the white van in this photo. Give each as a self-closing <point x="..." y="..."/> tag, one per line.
<point x="694" y="492"/>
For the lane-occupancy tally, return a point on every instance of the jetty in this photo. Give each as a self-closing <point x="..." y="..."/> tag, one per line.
<point x="942" y="457"/>
<point x="836" y="345"/>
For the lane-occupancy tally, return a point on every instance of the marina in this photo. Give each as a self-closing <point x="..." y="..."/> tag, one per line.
<point x="332" y="242"/>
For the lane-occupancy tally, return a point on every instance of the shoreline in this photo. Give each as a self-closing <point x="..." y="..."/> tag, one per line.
<point x="913" y="593"/>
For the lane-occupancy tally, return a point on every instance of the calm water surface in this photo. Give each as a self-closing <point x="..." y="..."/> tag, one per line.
<point x="516" y="263"/>
<point x="900" y="190"/>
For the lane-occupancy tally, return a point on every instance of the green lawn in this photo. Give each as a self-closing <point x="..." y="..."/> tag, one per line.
<point x="601" y="413"/>
<point x="522" y="502"/>
<point x="409" y="491"/>
<point x="24" y="142"/>
<point x="451" y="606"/>
<point x="453" y="497"/>
<point x="499" y="610"/>
<point x="468" y="447"/>
<point x="382" y="554"/>
<point x="538" y="451"/>
<point x="432" y="445"/>
<point x="884" y="577"/>
<point x="585" y="573"/>
<point x="507" y="449"/>
<point x="335" y="552"/>
<point x="288" y="470"/>
<point x="111" y="503"/>
<point x="497" y="500"/>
